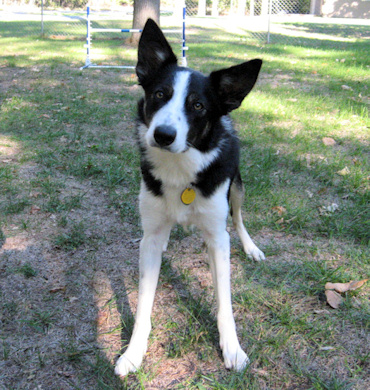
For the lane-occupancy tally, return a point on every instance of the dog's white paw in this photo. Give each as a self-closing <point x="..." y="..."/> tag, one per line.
<point x="236" y="360"/>
<point x="254" y="253"/>
<point x="128" y="362"/>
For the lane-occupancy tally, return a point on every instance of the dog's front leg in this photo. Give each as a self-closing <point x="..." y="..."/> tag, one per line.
<point x="219" y="254"/>
<point x="151" y="248"/>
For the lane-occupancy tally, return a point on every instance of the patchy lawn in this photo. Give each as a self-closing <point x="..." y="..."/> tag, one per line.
<point x="70" y="230"/>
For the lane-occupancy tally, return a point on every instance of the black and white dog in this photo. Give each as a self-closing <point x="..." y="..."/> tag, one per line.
<point x="190" y="172"/>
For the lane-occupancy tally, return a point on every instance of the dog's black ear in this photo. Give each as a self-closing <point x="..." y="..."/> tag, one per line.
<point x="233" y="84"/>
<point x="154" y="52"/>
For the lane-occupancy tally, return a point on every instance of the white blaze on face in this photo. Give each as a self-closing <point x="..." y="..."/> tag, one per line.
<point x="173" y="114"/>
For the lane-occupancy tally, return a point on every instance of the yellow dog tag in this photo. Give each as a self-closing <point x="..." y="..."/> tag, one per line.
<point x="188" y="196"/>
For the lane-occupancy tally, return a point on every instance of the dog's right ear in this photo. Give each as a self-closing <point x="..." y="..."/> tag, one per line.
<point x="154" y="52"/>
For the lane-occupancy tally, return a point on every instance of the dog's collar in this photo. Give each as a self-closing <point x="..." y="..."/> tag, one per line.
<point x="188" y="195"/>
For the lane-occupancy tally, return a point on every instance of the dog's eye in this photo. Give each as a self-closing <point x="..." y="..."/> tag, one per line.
<point x="159" y="95"/>
<point x="198" y="106"/>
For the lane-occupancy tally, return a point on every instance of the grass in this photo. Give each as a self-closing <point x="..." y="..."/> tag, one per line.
<point x="69" y="180"/>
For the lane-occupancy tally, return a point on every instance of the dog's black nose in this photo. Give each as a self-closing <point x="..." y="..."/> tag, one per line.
<point x="164" y="135"/>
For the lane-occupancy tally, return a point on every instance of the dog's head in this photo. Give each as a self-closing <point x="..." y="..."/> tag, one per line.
<point x="181" y="106"/>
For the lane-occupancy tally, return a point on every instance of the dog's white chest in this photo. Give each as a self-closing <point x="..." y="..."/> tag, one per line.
<point x="180" y="169"/>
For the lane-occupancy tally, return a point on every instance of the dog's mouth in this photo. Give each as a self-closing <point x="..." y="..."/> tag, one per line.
<point x="168" y="148"/>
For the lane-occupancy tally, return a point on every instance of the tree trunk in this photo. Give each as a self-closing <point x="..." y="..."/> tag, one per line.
<point x="143" y="10"/>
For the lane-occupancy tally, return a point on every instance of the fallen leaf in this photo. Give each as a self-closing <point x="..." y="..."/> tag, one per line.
<point x="333" y="298"/>
<point x="347" y="88"/>
<point x="321" y="311"/>
<point x="328" y="141"/>
<point x="35" y="209"/>
<point x="322" y="191"/>
<point x="260" y="372"/>
<point x="57" y="289"/>
<point x="326" y="348"/>
<point x="344" y="287"/>
<point x="102" y="317"/>
<point x="339" y="287"/>
<point x="357" y="284"/>
<point x="329" y="209"/>
<point x="35" y="194"/>
<point x="343" y="172"/>
<point x="279" y="209"/>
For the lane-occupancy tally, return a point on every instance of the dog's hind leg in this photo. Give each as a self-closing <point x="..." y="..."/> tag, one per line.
<point x="236" y="201"/>
<point x="151" y="248"/>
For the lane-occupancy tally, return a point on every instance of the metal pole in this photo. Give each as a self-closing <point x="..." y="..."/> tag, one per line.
<point x="269" y="21"/>
<point x="184" y="48"/>
<point x="42" y="17"/>
<point x="88" y="40"/>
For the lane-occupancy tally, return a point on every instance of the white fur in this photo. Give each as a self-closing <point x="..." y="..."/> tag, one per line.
<point x="173" y="114"/>
<point x="158" y="216"/>
<point x="250" y="248"/>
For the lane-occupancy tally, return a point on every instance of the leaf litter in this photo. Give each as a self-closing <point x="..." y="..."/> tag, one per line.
<point x="333" y="291"/>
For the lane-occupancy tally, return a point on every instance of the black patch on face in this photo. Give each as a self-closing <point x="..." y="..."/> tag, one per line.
<point x="158" y="93"/>
<point x="153" y="185"/>
<point x="202" y="112"/>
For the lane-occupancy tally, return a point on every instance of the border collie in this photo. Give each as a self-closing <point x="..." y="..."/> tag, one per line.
<point x="190" y="173"/>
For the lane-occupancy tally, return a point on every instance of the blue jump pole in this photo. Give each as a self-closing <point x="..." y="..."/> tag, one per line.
<point x="184" y="48"/>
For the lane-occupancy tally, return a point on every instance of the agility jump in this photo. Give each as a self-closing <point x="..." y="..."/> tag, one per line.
<point x="91" y="30"/>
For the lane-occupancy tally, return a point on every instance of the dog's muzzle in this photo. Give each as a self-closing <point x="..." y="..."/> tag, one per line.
<point x="164" y="136"/>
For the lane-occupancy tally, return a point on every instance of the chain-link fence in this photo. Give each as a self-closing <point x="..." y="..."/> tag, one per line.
<point x="33" y="19"/>
<point x="283" y="21"/>
<point x="273" y="21"/>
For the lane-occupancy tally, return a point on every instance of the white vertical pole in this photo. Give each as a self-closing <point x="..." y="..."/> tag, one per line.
<point x="88" y="40"/>
<point x="269" y="21"/>
<point x="42" y="17"/>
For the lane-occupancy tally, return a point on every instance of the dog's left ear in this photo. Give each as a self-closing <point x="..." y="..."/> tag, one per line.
<point x="233" y="84"/>
<point x="154" y="52"/>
